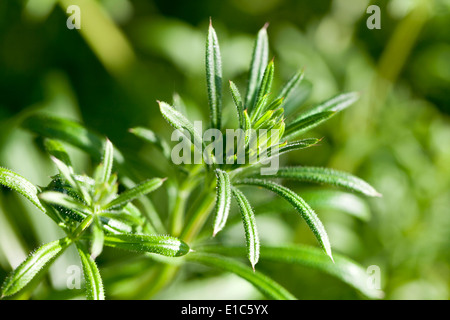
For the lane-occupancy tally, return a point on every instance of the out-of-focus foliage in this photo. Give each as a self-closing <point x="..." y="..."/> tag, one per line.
<point x="110" y="73"/>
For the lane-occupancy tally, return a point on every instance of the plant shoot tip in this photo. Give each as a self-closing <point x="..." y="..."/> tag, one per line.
<point x="379" y="195"/>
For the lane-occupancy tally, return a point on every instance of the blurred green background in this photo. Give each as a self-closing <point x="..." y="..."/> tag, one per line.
<point x="130" y="53"/>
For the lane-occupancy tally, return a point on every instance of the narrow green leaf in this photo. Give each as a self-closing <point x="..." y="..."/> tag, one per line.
<point x="263" y="283"/>
<point x="291" y="85"/>
<point x="328" y="176"/>
<point x="277" y="150"/>
<point x="104" y="192"/>
<point x="92" y="277"/>
<point x="59" y="208"/>
<point x="334" y="200"/>
<point x="115" y="225"/>
<point x="278" y="113"/>
<point x="263" y="120"/>
<point x="139" y="190"/>
<point x="300" y="205"/>
<point x="64" y="200"/>
<point x="83" y="226"/>
<point x="33" y="265"/>
<point x="180" y="122"/>
<point x="237" y="99"/>
<point x="299" y="144"/>
<point x="108" y="159"/>
<point x="149" y="136"/>
<point x="251" y="232"/>
<point x="67" y="173"/>
<point x="97" y="238"/>
<point x="56" y="149"/>
<point x="61" y="216"/>
<point x="223" y="200"/>
<point x="164" y="245"/>
<point x="320" y="113"/>
<point x="65" y="130"/>
<point x="335" y="104"/>
<point x="179" y="104"/>
<point x="260" y="105"/>
<point x="302" y="125"/>
<point x="18" y="183"/>
<point x="257" y="66"/>
<point x="297" y="97"/>
<point x="129" y="214"/>
<point x="77" y="135"/>
<point x="343" y="268"/>
<point x="248" y="128"/>
<point x="275" y="105"/>
<point x="214" y="77"/>
<point x="264" y="88"/>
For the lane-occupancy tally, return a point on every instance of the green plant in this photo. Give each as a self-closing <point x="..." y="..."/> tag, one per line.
<point x="201" y="191"/>
<point x="75" y="202"/>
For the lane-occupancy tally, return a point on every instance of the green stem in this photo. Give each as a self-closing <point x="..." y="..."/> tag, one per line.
<point x="82" y="226"/>
<point x="177" y="217"/>
<point x="176" y="223"/>
<point x="204" y="206"/>
<point x="166" y="273"/>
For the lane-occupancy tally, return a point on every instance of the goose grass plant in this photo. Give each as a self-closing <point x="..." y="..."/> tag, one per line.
<point x="93" y="214"/>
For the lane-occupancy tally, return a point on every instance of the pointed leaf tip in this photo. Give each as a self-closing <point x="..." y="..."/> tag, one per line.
<point x="249" y="222"/>
<point x="163" y="245"/>
<point x="328" y="176"/>
<point x="214" y="77"/>
<point x="257" y="67"/>
<point x="139" y="190"/>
